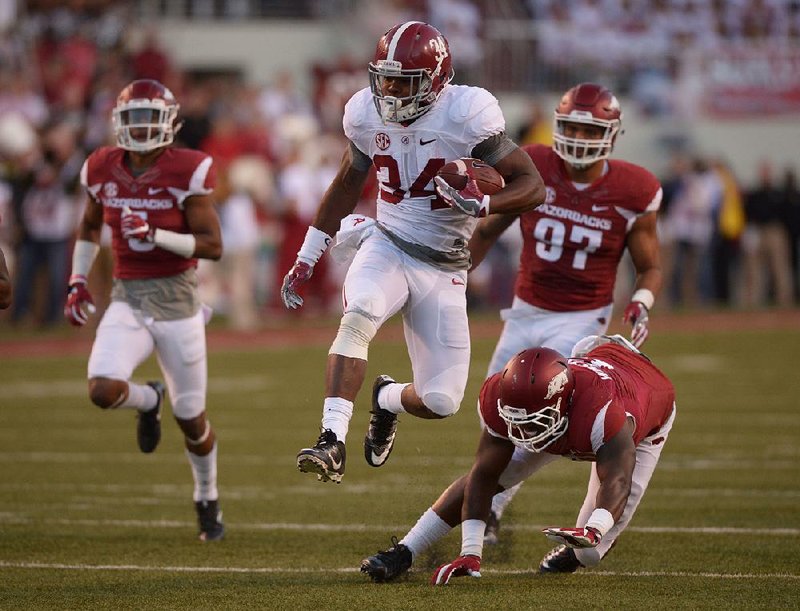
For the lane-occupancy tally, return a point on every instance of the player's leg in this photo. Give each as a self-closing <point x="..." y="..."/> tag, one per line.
<point x="374" y="290"/>
<point x="181" y="349"/>
<point x="121" y="343"/>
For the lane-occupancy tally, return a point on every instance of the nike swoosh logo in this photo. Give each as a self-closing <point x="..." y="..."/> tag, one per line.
<point x="377" y="459"/>
<point x="599" y="208"/>
<point x="424" y="142"/>
<point x="457" y="282"/>
<point x="152" y="191"/>
<point x="336" y="464"/>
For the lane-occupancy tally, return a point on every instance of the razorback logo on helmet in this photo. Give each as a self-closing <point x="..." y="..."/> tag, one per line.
<point x="556" y="385"/>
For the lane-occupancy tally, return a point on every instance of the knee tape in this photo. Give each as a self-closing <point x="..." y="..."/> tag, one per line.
<point x="356" y="331"/>
<point x="440" y="403"/>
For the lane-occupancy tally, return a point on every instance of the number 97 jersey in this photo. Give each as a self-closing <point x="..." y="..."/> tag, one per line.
<point x="407" y="157"/>
<point x="572" y="244"/>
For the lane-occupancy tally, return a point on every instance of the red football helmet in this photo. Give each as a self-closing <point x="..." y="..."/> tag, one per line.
<point x="589" y="104"/>
<point x="144" y="118"/>
<point x="535" y="390"/>
<point x="416" y="51"/>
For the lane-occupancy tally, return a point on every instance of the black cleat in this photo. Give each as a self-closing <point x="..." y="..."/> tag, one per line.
<point x="326" y="458"/>
<point x="148" y="427"/>
<point x="560" y="560"/>
<point x="209" y="518"/>
<point x="386" y="565"/>
<point x="379" y="440"/>
<point x="490" y="535"/>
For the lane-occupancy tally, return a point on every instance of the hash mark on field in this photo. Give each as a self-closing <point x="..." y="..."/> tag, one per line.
<point x="284" y="570"/>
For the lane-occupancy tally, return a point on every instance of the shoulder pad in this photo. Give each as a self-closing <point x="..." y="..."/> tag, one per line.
<point x="355" y="111"/>
<point x="468" y="102"/>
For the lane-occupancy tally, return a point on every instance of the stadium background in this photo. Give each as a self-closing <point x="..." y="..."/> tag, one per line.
<point x="87" y="522"/>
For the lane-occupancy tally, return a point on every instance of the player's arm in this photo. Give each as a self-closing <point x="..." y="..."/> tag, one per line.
<point x="524" y="188"/>
<point x="477" y="490"/>
<point x="616" y="460"/>
<point x="339" y="200"/>
<point x="203" y="221"/>
<point x="486" y="234"/>
<point x="79" y="300"/>
<point x="344" y="191"/>
<point x="642" y="243"/>
<point x="5" y="283"/>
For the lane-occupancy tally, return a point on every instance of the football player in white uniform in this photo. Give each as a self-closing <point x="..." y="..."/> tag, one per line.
<point x="414" y="258"/>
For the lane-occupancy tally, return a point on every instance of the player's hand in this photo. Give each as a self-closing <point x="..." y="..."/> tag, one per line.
<point x="79" y="304"/>
<point x="574" y="537"/>
<point x="135" y="227"/>
<point x="299" y="274"/>
<point x="469" y="566"/>
<point x="469" y="200"/>
<point x="636" y="314"/>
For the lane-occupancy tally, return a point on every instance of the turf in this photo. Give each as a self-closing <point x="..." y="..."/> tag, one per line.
<point x="86" y="521"/>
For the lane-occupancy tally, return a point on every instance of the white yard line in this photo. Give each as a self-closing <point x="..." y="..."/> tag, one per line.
<point x="289" y="570"/>
<point x="10" y="518"/>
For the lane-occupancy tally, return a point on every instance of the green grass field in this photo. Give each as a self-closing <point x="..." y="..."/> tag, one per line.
<point x="86" y="521"/>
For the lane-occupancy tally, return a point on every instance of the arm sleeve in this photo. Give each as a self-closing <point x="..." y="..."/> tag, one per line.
<point x="494" y="148"/>
<point x="361" y="161"/>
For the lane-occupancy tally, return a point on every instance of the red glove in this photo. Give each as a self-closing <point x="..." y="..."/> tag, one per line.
<point x="461" y="566"/>
<point x="636" y="314"/>
<point x="135" y="227"/>
<point x="469" y="200"/>
<point x="574" y="537"/>
<point x="299" y="274"/>
<point x="79" y="303"/>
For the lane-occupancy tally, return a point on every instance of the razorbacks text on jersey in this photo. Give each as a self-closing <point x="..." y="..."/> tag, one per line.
<point x="407" y="158"/>
<point x="611" y="383"/>
<point x="157" y="195"/>
<point x="572" y="244"/>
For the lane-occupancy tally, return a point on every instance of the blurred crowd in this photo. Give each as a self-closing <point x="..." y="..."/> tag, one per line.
<point x="277" y="147"/>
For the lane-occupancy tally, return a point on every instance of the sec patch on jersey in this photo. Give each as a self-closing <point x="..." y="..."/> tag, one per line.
<point x="457" y="172"/>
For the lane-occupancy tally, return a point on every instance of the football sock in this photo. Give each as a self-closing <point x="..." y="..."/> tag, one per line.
<point x="204" y="472"/>
<point x="141" y="397"/>
<point x="427" y="531"/>
<point x="336" y="414"/>
<point x="501" y="500"/>
<point x="390" y="398"/>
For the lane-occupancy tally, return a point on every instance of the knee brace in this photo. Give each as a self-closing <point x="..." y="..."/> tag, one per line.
<point x="440" y="403"/>
<point x="356" y="331"/>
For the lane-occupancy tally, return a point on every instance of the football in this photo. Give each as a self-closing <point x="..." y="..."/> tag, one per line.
<point x="456" y="172"/>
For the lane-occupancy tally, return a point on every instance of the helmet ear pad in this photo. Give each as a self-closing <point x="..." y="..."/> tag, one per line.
<point x="145" y="117"/>
<point x="535" y="390"/>
<point x="416" y="51"/>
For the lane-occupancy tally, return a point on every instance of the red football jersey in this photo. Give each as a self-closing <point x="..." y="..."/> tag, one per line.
<point x="158" y="195"/>
<point x="611" y="382"/>
<point x="573" y="242"/>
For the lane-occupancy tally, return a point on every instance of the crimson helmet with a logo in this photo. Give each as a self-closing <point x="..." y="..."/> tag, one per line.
<point x="588" y="104"/>
<point x="145" y="117"/>
<point x="535" y="390"/>
<point x="416" y="51"/>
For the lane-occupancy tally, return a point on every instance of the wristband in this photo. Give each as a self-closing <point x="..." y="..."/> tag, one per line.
<point x="472" y="537"/>
<point x="182" y="244"/>
<point x="601" y="519"/>
<point x="645" y="297"/>
<point x="314" y="245"/>
<point x="83" y="257"/>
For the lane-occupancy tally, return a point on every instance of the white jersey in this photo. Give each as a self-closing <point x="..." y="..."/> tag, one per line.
<point x="407" y="159"/>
